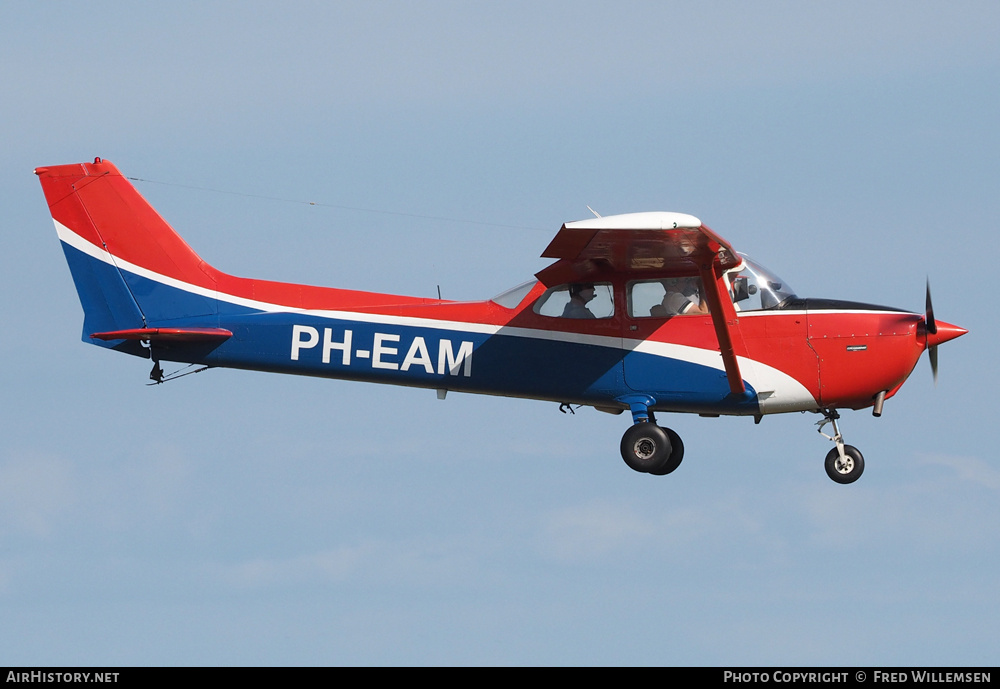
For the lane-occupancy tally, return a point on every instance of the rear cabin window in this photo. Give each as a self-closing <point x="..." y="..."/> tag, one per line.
<point x="511" y="298"/>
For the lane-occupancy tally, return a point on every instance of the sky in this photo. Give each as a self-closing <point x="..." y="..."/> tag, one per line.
<point x="239" y="518"/>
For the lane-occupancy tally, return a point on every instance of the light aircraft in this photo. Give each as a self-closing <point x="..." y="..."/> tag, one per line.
<point x="644" y="312"/>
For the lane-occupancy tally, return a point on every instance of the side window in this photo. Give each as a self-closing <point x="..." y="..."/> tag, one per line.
<point x="578" y="300"/>
<point x="666" y="297"/>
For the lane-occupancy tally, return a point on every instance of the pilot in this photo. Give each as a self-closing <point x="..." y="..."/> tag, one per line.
<point x="580" y="294"/>
<point x="680" y="296"/>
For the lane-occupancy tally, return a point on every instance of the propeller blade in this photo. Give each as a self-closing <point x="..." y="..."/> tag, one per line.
<point x="929" y="317"/>
<point x="935" y="335"/>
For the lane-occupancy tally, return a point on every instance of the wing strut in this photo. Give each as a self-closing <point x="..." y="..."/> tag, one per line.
<point x="724" y="320"/>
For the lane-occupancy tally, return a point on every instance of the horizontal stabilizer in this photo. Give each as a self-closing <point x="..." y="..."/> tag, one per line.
<point x="167" y="334"/>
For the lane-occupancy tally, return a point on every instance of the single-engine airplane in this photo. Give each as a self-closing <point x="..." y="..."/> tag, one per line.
<point x="644" y="312"/>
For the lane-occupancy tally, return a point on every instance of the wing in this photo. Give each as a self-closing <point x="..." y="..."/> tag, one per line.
<point x="634" y="243"/>
<point x="638" y="244"/>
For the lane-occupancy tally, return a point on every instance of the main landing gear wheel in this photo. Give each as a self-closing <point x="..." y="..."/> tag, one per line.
<point x="650" y="449"/>
<point x="646" y="447"/>
<point x="847" y="469"/>
<point x="676" y="454"/>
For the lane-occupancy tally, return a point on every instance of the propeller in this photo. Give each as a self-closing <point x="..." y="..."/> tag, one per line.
<point x="936" y="333"/>
<point x="931" y="325"/>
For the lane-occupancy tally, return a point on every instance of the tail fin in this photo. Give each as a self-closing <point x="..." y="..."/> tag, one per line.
<point x="130" y="268"/>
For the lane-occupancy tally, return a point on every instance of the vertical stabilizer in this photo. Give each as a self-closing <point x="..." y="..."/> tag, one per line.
<point x="130" y="268"/>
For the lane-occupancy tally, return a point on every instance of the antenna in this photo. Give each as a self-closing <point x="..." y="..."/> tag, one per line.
<point x="596" y="214"/>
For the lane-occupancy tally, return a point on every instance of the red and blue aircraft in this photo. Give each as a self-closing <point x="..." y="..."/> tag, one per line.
<point x="644" y="312"/>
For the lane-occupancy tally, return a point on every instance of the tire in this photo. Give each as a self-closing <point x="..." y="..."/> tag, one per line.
<point x="676" y="454"/>
<point x="848" y="473"/>
<point x="646" y="447"/>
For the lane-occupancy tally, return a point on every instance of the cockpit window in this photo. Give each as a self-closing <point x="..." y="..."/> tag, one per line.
<point x="755" y="288"/>
<point x="509" y="299"/>
<point x="578" y="300"/>
<point x="666" y="298"/>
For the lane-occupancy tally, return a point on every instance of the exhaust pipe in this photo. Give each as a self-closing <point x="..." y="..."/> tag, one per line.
<point x="879" y="401"/>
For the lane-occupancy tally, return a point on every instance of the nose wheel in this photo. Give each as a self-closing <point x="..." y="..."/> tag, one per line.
<point x="846" y="469"/>
<point x="844" y="463"/>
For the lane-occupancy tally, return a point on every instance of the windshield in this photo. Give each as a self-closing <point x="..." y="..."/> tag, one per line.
<point x="755" y="288"/>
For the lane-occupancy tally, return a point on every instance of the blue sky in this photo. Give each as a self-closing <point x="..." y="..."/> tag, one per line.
<point x="246" y="518"/>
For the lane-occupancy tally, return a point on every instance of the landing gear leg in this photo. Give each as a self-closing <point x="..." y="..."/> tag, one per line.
<point x="844" y="463"/>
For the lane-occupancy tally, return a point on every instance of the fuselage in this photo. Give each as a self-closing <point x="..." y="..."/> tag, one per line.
<point x="804" y="355"/>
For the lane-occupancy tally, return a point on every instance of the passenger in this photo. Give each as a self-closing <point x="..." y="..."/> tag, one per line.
<point x="580" y="294"/>
<point x="680" y="296"/>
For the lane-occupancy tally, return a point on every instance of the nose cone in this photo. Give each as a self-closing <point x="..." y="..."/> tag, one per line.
<point x="945" y="332"/>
